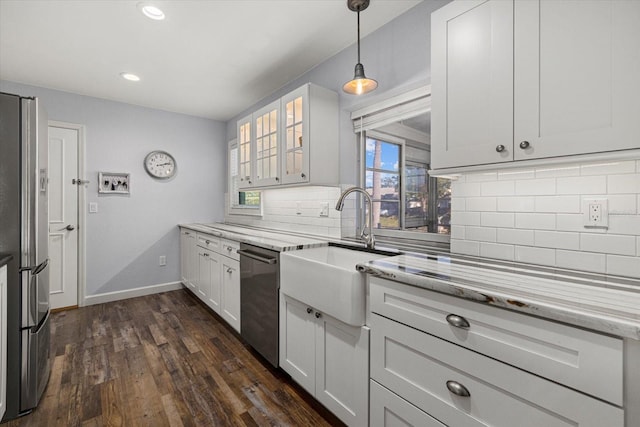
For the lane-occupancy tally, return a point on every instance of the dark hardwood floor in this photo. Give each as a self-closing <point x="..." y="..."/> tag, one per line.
<point x="163" y="360"/>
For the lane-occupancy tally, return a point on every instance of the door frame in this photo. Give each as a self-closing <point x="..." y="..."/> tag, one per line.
<point x="82" y="213"/>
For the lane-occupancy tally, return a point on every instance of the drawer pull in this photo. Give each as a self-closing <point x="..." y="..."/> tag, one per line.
<point x="229" y="270"/>
<point x="458" y="389"/>
<point x="207" y="241"/>
<point x="458" y="321"/>
<point x="229" y="248"/>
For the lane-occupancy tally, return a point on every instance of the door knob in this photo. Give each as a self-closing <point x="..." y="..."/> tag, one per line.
<point x="70" y="227"/>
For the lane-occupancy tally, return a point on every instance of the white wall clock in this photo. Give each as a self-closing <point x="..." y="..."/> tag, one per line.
<point x="160" y="164"/>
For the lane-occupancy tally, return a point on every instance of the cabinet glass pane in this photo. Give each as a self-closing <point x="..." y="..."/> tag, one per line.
<point x="290" y="165"/>
<point x="259" y="126"/>
<point x="289" y="109"/>
<point x="298" y="135"/>
<point x="273" y="120"/>
<point x="289" y="138"/>
<point x="274" y="142"/>
<point x="298" y="161"/>
<point x="259" y="170"/>
<point x="298" y="110"/>
<point x="273" y="164"/>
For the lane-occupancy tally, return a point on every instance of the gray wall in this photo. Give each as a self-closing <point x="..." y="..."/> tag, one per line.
<point x="397" y="55"/>
<point x="129" y="233"/>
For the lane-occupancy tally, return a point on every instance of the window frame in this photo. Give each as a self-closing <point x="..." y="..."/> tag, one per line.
<point x="233" y="193"/>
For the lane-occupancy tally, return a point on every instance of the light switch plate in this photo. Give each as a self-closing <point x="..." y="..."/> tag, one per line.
<point x="93" y="207"/>
<point x="324" y="208"/>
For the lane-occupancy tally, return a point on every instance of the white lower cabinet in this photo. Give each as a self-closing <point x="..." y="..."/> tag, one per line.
<point x="188" y="258"/>
<point x="440" y="359"/>
<point x="328" y="358"/>
<point x="230" y="292"/>
<point x="210" y="268"/>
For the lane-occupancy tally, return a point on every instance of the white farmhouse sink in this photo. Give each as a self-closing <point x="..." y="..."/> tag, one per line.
<point x="326" y="278"/>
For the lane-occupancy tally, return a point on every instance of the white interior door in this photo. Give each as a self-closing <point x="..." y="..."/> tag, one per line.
<point x="63" y="216"/>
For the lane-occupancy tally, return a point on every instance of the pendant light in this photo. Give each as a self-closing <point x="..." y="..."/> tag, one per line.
<point x="360" y="83"/>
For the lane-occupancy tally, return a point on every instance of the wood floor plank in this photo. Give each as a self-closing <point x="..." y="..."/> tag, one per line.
<point x="163" y="360"/>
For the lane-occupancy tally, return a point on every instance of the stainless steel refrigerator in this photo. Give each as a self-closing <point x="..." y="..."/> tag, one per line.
<point x="24" y="234"/>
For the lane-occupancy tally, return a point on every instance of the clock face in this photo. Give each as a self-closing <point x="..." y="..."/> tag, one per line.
<point x="160" y="164"/>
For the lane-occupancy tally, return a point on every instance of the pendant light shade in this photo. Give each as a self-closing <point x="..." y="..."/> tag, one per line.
<point x="360" y="83"/>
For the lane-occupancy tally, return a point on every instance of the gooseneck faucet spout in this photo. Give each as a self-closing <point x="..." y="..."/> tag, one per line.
<point x="369" y="239"/>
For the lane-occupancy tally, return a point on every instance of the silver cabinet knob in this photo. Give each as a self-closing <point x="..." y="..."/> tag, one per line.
<point x="500" y="148"/>
<point x="524" y="145"/>
<point x="318" y="315"/>
<point x="229" y="248"/>
<point x="458" y="389"/>
<point x="69" y="227"/>
<point x="458" y="321"/>
<point x="309" y="310"/>
<point x="302" y="175"/>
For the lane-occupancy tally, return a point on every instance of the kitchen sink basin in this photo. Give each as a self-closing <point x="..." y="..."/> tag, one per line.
<point x="326" y="278"/>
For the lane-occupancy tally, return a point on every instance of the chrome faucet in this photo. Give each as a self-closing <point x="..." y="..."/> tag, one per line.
<point x="368" y="237"/>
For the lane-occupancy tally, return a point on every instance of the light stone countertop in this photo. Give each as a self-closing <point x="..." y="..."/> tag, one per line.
<point x="608" y="304"/>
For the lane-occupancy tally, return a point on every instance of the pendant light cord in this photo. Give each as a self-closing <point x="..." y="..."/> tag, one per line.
<point x="358" y="36"/>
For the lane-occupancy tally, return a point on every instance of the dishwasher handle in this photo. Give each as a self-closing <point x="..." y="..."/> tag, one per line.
<point x="249" y="254"/>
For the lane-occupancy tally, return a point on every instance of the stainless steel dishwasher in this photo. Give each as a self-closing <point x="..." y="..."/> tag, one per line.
<point x="259" y="300"/>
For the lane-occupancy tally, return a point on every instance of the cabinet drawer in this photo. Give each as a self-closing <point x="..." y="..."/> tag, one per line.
<point x="230" y="248"/>
<point x="209" y="242"/>
<point x="587" y="361"/>
<point x="418" y="367"/>
<point x="390" y="410"/>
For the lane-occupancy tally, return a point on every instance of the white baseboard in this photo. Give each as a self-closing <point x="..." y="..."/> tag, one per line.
<point x="131" y="293"/>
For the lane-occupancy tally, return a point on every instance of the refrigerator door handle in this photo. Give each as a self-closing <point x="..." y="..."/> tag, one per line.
<point x="37" y="269"/>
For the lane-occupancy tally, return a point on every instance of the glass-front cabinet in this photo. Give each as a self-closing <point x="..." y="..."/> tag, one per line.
<point x="295" y="168"/>
<point x="267" y="137"/>
<point x="293" y="140"/>
<point x="245" y="173"/>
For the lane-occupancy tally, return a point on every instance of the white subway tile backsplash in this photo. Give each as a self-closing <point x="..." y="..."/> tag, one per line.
<point x="465" y="189"/>
<point x="458" y="232"/>
<point x="481" y="204"/>
<point x="606" y="168"/>
<point x="623" y="265"/>
<point x="557" y="171"/>
<point x="515" y="174"/>
<point x="638" y="246"/>
<point x="515" y="236"/>
<point x="557" y="239"/>
<point x="498" y="251"/>
<point x="458" y="204"/>
<point x="482" y="176"/>
<point x="582" y="185"/>
<point x="498" y="188"/>
<point x="619" y="204"/>
<point x="536" y="221"/>
<point x="558" y="204"/>
<point x="484" y="234"/>
<point x="516" y="204"/>
<point x="585" y="261"/>
<point x="497" y="219"/>
<point x="465" y="247"/>
<point x="624" y="224"/>
<point x="465" y="218"/>
<point x="608" y="243"/>
<point x="532" y="255"/>
<point x="623" y="184"/>
<point x="536" y="187"/>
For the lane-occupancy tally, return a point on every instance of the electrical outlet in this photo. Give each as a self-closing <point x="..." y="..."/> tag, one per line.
<point x="595" y="213"/>
<point x="298" y="208"/>
<point x="324" y="208"/>
<point x="163" y="260"/>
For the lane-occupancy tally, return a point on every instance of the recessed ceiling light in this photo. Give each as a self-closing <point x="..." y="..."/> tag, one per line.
<point x="130" y="76"/>
<point x="151" y="11"/>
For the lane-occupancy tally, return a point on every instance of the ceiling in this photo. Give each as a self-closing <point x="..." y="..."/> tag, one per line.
<point x="210" y="59"/>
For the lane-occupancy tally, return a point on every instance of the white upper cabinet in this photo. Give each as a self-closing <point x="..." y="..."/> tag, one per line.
<point x="293" y="140"/>
<point x="531" y="79"/>
<point x="267" y="140"/>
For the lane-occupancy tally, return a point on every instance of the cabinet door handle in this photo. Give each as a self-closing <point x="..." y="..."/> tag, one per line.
<point x="187" y="233"/>
<point x="303" y="175"/>
<point x="318" y="315"/>
<point x="207" y="242"/>
<point x="229" y="248"/>
<point x="229" y="270"/>
<point x="458" y="389"/>
<point x="205" y="254"/>
<point x="309" y="310"/>
<point x="524" y="145"/>
<point x="500" y="148"/>
<point x="277" y="179"/>
<point x="458" y="321"/>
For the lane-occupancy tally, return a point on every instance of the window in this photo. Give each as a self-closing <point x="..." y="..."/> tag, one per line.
<point x="394" y="141"/>
<point x="241" y="202"/>
<point x="403" y="195"/>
